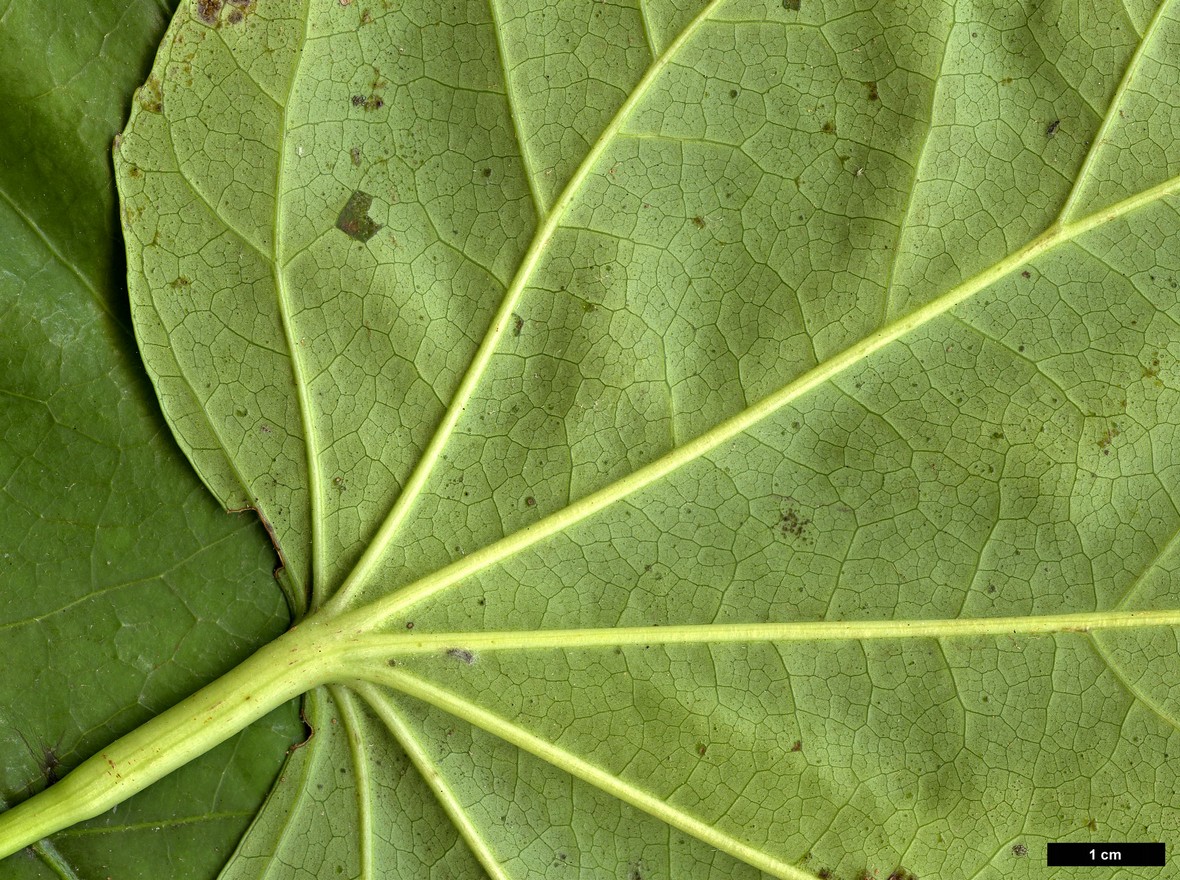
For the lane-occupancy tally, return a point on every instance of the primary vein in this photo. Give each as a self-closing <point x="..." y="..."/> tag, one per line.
<point x="374" y="648"/>
<point x="380" y="611"/>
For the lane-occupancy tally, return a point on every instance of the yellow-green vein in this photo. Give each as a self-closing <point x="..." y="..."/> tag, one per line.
<point x="400" y="731"/>
<point x="350" y="721"/>
<point x="1111" y="114"/>
<point x="314" y="490"/>
<point x="376" y="648"/>
<point x="514" y="112"/>
<point x="587" y="772"/>
<point x="380" y="611"/>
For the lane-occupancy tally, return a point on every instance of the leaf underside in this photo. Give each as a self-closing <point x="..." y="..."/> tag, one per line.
<point x="512" y="318"/>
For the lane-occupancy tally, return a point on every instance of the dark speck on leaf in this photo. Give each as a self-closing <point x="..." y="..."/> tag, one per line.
<point x="517" y="324"/>
<point x="180" y="281"/>
<point x="798" y="746"/>
<point x="733" y="93"/>
<point x="462" y="655"/>
<point x="829" y="127"/>
<point x="792" y="5"/>
<point x="792" y="523"/>
<point x="701" y="750"/>
<point x="1052" y="129"/>
<point x="874" y="95"/>
<point x="355" y="155"/>
<point x="1019" y="849"/>
<point x="824" y="874"/>
<point x="530" y="502"/>
<point x="409" y="624"/>
<point x="487" y="172"/>
<point x="354" y="220"/>
<point x="372" y="102"/>
<point x="1026" y="274"/>
<point x="900" y="873"/>
<point x="698" y="221"/>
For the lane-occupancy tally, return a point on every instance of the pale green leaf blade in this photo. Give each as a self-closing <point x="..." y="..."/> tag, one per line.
<point x="753" y="413"/>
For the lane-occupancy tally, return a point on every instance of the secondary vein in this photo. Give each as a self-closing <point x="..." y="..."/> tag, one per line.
<point x="513" y="111"/>
<point x="503" y="318"/>
<point x="1111" y="114"/>
<point x="587" y="772"/>
<point x="426" y="767"/>
<point x="314" y="490"/>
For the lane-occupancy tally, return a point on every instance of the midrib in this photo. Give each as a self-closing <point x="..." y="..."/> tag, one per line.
<point x="370" y="650"/>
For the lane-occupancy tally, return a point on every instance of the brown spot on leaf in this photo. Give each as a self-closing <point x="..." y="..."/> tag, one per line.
<point x="530" y="501"/>
<point x="1019" y="850"/>
<point x="180" y="281"/>
<point x="151" y="96"/>
<point x="235" y="16"/>
<point x="1108" y="438"/>
<point x="354" y="220"/>
<point x="824" y="874"/>
<point x="792" y="5"/>
<point x="134" y="171"/>
<point x="900" y="873"/>
<point x="829" y="127"/>
<point x="701" y="749"/>
<point x="798" y="746"/>
<point x="698" y="221"/>
<point x="355" y="155"/>
<point x="208" y="10"/>
<point x="874" y="95"/>
<point x="487" y="172"/>
<point x="1052" y="128"/>
<point x="517" y="324"/>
